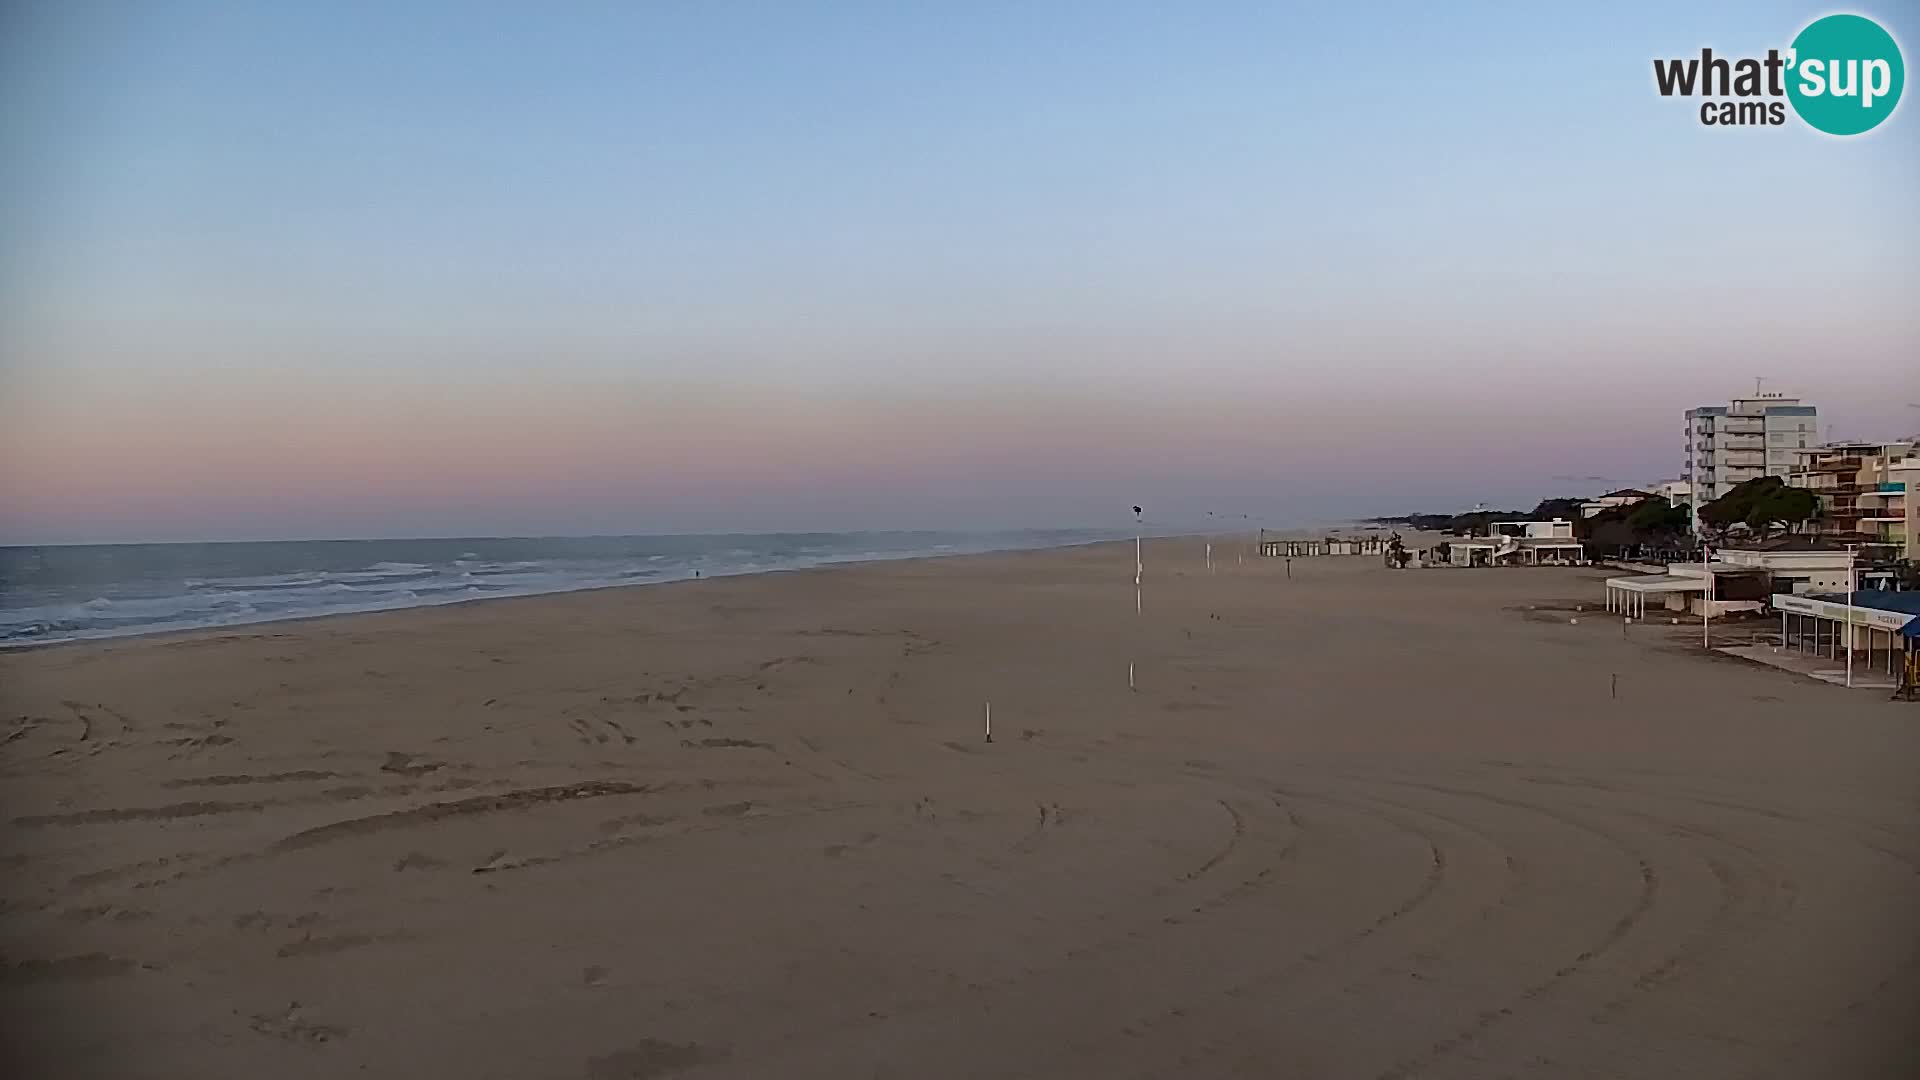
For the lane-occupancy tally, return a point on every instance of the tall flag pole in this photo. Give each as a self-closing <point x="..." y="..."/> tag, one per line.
<point x="1850" y="617"/>
<point x="1136" y="584"/>
<point x="1706" y="610"/>
<point x="1137" y="567"/>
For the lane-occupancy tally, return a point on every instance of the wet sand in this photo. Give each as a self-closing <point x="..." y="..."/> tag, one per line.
<point x="1356" y="823"/>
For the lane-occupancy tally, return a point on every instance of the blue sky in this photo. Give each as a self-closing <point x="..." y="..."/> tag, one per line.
<point x="1039" y="256"/>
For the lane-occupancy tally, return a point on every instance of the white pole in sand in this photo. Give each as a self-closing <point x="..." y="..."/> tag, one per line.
<point x="1849" y="617"/>
<point x="1137" y="566"/>
<point x="989" y="721"/>
<point x="1136" y="582"/>
<point x="1706" y="608"/>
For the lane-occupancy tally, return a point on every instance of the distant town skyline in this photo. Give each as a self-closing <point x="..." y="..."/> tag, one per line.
<point x="435" y="269"/>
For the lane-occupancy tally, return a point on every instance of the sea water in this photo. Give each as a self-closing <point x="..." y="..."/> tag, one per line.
<point x="68" y="593"/>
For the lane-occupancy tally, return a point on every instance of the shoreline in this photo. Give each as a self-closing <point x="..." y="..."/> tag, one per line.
<point x="239" y="624"/>
<point x="243" y="624"/>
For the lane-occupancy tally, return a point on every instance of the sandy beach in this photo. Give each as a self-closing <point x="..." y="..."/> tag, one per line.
<point x="1351" y="823"/>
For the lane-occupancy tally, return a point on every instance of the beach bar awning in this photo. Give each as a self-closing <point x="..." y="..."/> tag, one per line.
<point x="1870" y="608"/>
<point x="1658" y="583"/>
<point x="1628" y="595"/>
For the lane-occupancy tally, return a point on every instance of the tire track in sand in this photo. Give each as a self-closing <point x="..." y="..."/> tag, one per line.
<point x="1487" y="1020"/>
<point x="1230" y="1033"/>
<point x="1247" y="987"/>
<point x="1055" y="979"/>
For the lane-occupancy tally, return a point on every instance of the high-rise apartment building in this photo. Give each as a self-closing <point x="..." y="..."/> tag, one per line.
<point x="1747" y="438"/>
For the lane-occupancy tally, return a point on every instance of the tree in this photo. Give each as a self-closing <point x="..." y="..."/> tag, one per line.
<point x="1651" y="523"/>
<point x="1787" y="507"/>
<point x="1548" y="509"/>
<point x="1761" y="504"/>
<point x="1657" y="516"/>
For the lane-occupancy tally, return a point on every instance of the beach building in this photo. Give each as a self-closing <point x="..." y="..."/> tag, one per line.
<point x="1515" y="551"/>
<point x="1314" y="547"/>
<point x="1614" y="500"/>
<point x="1519" y="543"/>
<point x="1745" y="439"/>
<point x="1752" y="577"/>
<point x="1676" y="492"/>
<point x="1862" y="489"/>
<point x="1636" y="595"/>
<point x="1796" y="564"/>
<point x="1749" y="577"/>
<point x="1879" y="627"/>
<point x="1906" y="477"/>
<point x="1556" y="529"/>
<point x="1685" y="587"/>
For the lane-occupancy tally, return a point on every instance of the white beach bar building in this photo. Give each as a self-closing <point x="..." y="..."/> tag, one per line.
<point x="1634" y="596"/>
<point x="1520" y="543"/>
<point x="1685" y="587"/>
<point x="1792" y="565"/>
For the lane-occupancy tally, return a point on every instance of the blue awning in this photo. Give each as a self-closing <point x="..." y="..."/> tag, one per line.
<point x="1906" y="603"/>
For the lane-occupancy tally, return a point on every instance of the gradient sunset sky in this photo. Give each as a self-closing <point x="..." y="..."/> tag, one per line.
<point x="414" y="269"/>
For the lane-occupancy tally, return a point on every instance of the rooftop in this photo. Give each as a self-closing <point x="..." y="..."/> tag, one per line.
<point x="1907" y="603"/>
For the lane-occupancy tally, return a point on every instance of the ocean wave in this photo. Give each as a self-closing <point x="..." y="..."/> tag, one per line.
<point x="297" y="580"/>
<point x="382" y="575"/>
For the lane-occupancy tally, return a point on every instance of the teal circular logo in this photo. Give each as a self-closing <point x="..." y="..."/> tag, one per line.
<point x="1845" y="74"/>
